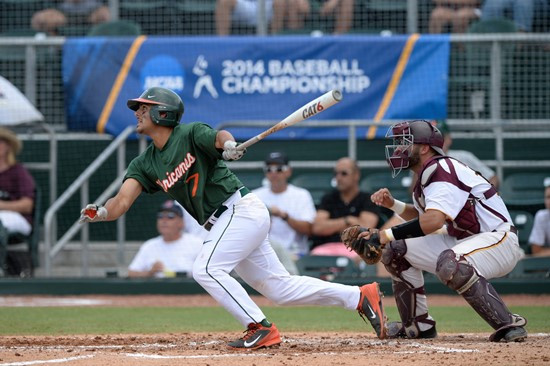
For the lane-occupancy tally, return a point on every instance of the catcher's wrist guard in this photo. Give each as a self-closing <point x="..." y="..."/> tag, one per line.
<point x="407" y="230"/>
<point x="398" y="207"/>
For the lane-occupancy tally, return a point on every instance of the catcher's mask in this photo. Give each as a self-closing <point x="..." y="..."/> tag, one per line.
<point x="404" y="135"/>
<point x="166" y="106"/>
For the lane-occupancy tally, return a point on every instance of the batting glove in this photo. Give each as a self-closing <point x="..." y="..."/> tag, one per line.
<point x="230" y="151"/>
<point x="92" y="213"/>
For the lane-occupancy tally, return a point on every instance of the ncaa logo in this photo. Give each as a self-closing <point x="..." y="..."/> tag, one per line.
<point x="164" y="71"/>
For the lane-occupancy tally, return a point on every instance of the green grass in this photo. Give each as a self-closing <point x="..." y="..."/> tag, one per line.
<point x="149" y="320"/>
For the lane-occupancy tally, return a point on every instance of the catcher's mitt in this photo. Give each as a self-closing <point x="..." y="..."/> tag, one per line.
<point x="370" y="250"/>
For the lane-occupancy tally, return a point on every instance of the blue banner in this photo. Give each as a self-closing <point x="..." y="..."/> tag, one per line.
<point x="222" y="79"/>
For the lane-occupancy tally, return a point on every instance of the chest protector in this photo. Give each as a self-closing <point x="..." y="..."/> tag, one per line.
<point x="466" y="222"/>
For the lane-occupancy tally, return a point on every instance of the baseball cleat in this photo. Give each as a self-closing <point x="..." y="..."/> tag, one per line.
<point x="370" y="306"/>
<point x="257" y="336"/>
<point x="513" y="332"/>
<point x="396" y="330"/>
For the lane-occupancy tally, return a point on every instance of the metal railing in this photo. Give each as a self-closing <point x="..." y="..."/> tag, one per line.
<point x="52" y="245"/>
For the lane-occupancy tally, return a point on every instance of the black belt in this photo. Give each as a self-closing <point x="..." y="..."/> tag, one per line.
<point x="243" y="190"/>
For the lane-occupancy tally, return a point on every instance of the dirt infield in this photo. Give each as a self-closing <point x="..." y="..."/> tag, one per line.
<point x="304" y="349"/>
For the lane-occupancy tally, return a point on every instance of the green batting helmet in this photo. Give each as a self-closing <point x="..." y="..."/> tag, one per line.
<point x="162" y="100"/>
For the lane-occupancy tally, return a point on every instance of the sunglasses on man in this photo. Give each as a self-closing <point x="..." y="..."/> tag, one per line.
<point x="166" y="215"/>
<point x="275" y="168"/>
<point x="343" y="173"/>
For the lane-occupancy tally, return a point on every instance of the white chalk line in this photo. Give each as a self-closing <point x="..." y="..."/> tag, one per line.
<point x="58" y="360"/>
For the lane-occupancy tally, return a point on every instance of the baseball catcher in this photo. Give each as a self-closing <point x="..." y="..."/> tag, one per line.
<point x="363" y="241"/>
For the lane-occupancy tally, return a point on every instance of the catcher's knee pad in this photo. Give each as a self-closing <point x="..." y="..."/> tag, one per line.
<point x="455" y="272"/>
<point x="393" y="257"/>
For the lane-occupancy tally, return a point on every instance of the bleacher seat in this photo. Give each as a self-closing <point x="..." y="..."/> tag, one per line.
<point x="523" y="189"/>
<point x="121" y="27"/>
<point x="327" y="267"/>
<point x="194" y="17"/>
<point x="523" y="221"/>
<point x="385" y="15"/>
<point x="469" y="81"/>
<point x="152" y="15"/>
<point x="398" y="186"/>
<point x="317" y="183"/>
<point x="534" y="267"/>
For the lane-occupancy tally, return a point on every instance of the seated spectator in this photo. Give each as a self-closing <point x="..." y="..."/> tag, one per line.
<point x="343" y="14"/>
<point x="79" y="12"/>
<point x="172" y="252"/>
<point x="539" y="240"/>
<point x="289" y="14"/>
<point x="523" y="11"/>
<point x="240" y="12"/>
<point x="458" y="13"/>
<point x="345" y="206"/>
<point x="17" y="190"/>
<point x="465" y="156"/>
<point x="291" y="209"/>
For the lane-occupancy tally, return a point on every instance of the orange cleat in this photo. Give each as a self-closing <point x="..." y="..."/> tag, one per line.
<point x="370" y="306"/>
<point x="257" y="336"/>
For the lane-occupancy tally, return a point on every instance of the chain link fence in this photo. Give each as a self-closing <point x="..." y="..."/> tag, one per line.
<point x="491" y="78"/>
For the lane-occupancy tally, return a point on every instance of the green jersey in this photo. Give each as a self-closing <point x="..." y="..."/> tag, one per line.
<point x="188" y="168"/>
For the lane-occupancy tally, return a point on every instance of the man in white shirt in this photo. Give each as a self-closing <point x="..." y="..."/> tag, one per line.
<point x="539" y="239"/>
<point x="291" y="209"/>
<point x="172" y="252"/>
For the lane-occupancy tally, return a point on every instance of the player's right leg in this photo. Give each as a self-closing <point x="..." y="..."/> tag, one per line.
<point x="409" y="293"/>
<point x="264" y="272"/>
<point x="466" y="269"/>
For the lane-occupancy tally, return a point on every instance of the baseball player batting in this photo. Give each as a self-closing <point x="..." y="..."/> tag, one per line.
<point x="186" y="161"/>
<point x="458" y="228"/>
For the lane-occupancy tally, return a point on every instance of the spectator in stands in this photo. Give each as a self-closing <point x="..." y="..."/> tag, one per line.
<point x="523" y="11"/>
<point x="88" y="12"/>
<point x="539" y="240"/>
<point x="240" y="12"/>
<point x="291" y="209"/>
<point x="17" y="190"/>
<point x="172" y="252"/>
<point x="343" y="14"/>
<point x="345" y="206"/>
<point x="458" y="13"/>
<point x="289" y="14"/>
<point x="465" y="156"/>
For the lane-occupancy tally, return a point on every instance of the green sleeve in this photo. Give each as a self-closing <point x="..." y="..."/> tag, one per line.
<point x="137" y="172"/>
<point x="204" y="138"/>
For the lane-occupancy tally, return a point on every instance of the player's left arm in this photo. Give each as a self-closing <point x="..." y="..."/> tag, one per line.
<point x="115" y="206"/>
<point x="427" y="223"/>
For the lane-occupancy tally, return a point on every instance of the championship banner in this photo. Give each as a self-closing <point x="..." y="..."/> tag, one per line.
<point x="228" y="79"/>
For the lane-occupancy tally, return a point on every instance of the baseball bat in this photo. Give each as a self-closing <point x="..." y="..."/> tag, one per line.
<point x="310" y="109"/>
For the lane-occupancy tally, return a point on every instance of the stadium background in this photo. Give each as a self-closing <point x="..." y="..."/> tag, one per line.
<point x="33" y="63"/>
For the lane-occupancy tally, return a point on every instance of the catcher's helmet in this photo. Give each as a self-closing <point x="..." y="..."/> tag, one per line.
<point x="404" y="135"/>
<point x="161" y="100"/>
